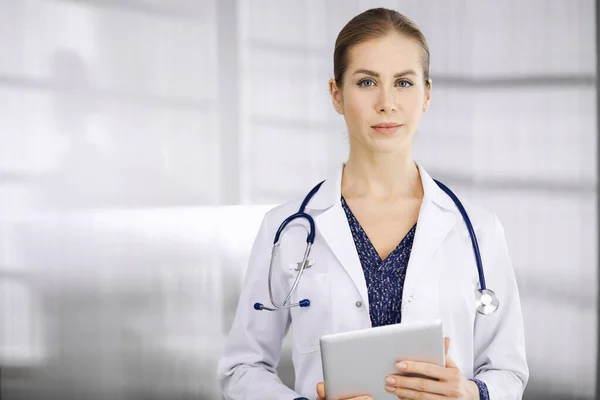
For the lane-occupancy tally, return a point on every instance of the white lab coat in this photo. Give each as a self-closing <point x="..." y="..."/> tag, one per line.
<point x="440" y="282"/>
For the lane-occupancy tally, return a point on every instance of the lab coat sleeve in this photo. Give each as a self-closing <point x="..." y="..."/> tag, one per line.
<point x="499" y="340"/>
<point x="247" y="369"/>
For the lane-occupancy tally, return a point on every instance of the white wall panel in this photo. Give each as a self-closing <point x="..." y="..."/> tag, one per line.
<point x="534" y="37"/>
<point x="155" y="109"/>
<point x="545" y="133"/>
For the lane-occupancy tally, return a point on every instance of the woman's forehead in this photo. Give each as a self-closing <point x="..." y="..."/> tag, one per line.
<point x="389" y="54"/>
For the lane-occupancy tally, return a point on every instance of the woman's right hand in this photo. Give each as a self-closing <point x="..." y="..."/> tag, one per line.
<point x="321" y="394"/>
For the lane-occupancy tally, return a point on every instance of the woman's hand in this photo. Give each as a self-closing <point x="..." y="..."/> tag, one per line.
<point x="321" y="394"/>
<point x="450" y="384"/>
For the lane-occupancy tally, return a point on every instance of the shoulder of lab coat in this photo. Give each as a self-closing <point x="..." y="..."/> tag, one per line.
<point x="499" y="339"/>
<point x="247" y="369"/>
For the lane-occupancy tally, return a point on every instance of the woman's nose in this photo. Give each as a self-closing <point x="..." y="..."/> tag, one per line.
<point x="386" y="102"/>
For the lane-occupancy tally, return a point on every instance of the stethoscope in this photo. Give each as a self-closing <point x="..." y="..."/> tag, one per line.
<point x="486" y="301"/>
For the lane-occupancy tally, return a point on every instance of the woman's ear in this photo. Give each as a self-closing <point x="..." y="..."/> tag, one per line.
<point x="427" y="95"/>
<point x="336" y="96"/>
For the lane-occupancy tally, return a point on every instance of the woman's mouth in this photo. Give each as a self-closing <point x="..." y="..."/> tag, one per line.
<point x="386" y="128"/>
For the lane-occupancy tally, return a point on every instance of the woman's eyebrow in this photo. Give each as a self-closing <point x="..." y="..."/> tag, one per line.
<point x="376" y="75"/>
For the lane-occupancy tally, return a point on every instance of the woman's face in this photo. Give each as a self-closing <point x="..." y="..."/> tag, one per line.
<point x="383" y="94"/>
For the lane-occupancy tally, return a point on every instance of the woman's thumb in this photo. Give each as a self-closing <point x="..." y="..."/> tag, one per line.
<point x="449" y="361"/>
<point x="321" y="390"/>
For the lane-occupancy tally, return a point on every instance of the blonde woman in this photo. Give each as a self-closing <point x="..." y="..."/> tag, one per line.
<point x="390" y="246"/>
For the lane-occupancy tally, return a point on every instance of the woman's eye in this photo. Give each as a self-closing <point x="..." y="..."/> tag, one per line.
<point x="404" y="84"/>
<point x="366" y="83"/>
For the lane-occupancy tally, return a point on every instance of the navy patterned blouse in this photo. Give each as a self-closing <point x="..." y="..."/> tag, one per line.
<point x="385" y="278"/>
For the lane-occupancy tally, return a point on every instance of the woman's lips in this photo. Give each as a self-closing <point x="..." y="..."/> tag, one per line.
<point x="387" y="128"/>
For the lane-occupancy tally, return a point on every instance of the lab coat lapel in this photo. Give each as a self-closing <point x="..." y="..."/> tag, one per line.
<point x="437" y="217"/>
<point x="334" y="228"/>
<point x="433" y="226"/>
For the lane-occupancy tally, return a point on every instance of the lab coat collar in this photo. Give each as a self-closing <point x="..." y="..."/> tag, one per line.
<point x="330" y="192"/>
<point x="436" y="219"/>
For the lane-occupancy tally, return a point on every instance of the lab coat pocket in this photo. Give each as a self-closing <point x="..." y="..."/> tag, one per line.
<point x="312" y="322"/>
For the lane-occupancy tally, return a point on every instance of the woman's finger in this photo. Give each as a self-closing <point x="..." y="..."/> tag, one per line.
<point x="425" y="369"/>
<point x="450" y="362"/>
<point x="413" y="394"/>
<point x="418" y="384"/>
<point x="321" y="390"/>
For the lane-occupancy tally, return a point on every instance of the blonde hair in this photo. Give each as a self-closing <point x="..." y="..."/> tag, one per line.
<point x="372" y="24"/>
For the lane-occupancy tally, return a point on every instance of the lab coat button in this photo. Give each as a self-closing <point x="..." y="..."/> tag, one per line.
<point x="359" y="304"/>
<point x="410" y="299"/>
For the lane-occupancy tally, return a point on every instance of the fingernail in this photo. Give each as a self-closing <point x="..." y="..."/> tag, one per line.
<point x="390" y="389"/>
<point x="390" y="380"/>
<point x="401" y="365"/>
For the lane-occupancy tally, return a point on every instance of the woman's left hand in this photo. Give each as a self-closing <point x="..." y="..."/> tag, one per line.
<point x="450" y="383"/>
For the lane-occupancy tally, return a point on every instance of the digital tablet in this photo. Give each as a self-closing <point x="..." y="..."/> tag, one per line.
<point x="358" y="362"/>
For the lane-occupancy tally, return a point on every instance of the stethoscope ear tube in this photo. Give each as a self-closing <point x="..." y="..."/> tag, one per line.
<point x="486" y="301"/>
<point x="472" y="235"/>
<point x="285" y="304"/>
<point x="301" y="303"/>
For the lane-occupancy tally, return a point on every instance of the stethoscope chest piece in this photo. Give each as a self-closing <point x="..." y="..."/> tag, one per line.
<point x="486" y="301"/>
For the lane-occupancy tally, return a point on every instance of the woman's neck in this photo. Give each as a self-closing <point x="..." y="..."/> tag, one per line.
<point x="381" y="176"/>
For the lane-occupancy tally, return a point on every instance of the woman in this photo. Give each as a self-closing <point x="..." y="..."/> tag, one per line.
<point x="390" y="246"/>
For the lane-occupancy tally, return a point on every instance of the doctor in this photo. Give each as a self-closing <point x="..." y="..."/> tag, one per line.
<point x="390" y="246"/>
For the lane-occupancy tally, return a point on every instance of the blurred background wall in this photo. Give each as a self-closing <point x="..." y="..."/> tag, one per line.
<point x="142" y="141"/>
